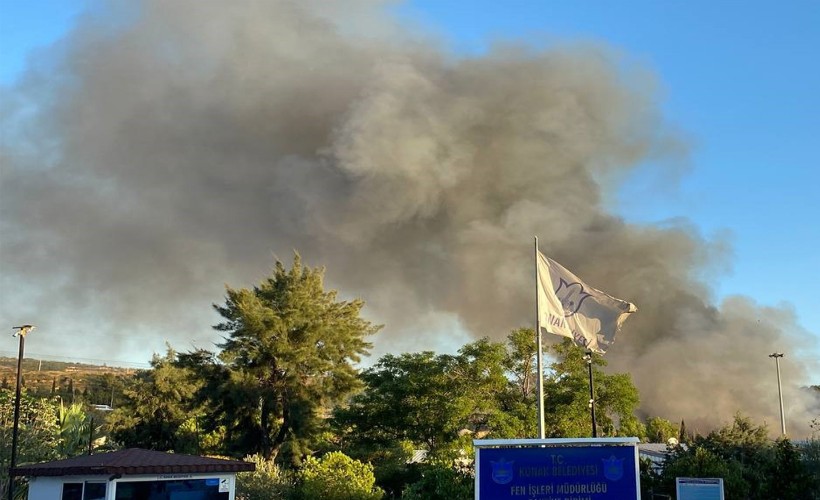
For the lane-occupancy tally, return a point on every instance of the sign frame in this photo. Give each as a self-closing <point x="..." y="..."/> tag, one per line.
<point x="557" y="443"/>
<point x="682" y="484"/>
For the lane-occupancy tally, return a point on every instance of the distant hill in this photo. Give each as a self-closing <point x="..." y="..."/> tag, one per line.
<point x="94" y="384"/>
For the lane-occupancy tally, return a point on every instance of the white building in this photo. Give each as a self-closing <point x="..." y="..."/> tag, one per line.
<point x="134" y="474"/>
<point x="657" y="453"/>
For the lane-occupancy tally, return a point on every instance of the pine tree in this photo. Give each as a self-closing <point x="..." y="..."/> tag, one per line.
<point x="288" y="356"/>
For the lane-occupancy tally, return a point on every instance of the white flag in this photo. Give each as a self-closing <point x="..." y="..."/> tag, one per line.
<point x="571" y="308"/>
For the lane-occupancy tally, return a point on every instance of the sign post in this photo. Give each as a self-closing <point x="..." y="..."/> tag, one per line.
<point x="557" y="469"/>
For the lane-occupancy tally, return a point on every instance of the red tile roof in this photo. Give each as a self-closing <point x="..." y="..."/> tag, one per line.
<point x="133" y="461"/>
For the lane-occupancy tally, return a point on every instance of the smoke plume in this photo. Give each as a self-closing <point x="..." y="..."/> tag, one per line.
<point x="163" y="149"/>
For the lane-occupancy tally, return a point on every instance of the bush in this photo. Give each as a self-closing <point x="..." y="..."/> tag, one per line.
<point x="267" y="482"/>
<point x="337" y="477"/>
<point x="440" y="481"/>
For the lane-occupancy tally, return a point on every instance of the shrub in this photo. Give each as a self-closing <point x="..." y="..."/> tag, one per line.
<point x="336" y="476"/>
<point x="440" y="481"/>
<point x="267" y="482"/>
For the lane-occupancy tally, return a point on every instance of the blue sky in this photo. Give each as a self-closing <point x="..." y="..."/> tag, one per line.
<point x="739" y="79"/>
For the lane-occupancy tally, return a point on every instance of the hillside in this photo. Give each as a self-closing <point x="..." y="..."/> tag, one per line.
<point x="95" y="384"/>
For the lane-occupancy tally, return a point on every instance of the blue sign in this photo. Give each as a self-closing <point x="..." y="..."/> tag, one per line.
<point x="578" y="472"/>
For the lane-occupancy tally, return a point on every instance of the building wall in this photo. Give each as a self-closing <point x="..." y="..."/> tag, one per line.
<point x="51" y="488"/>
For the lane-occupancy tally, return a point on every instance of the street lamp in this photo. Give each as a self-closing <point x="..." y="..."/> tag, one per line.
<point x="777" y="356"/>
<point x="21" y="331"/>
<point x="588" y="359"/>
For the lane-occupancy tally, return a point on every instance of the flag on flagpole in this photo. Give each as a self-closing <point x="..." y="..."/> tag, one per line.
<point x="571" y="308"/>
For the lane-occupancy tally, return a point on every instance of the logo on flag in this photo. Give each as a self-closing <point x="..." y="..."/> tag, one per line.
<point x="569" y="307"/>
<point x="571" y="295"/>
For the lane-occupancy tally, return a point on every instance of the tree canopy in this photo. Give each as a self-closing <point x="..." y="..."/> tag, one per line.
<point x="157" y="403"/>
<point x="486" y="389"/>
<point x="288" y="354"/>
<point x="284" y="388"/>
<point x="38" y="436"/>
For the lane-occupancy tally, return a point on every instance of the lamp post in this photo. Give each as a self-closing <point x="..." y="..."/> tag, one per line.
<point x="777" y="356"/>
<point x="21" y="332"/>
<point x="588" y="359"/>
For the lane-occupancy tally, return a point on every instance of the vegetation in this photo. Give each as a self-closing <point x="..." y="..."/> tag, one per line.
<point x="155" y="408"/>
<point x="38" y="437"/>
<point x="72" y="382"/>
<point x="267" y="482"/>
<point x="284" y="392"/>
<point x="443" y="481"/>
<point x="336" y="476"/>
<point x="660" y="430"/>
<point x="751" y="465"/>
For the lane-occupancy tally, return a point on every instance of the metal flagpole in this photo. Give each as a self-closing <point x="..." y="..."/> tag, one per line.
<point x="539" y="357"/>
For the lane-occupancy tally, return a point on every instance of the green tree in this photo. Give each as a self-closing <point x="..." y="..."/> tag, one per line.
<point x="288" y="355"/>
<point x="105" y="389"/>
<point x="660" y="430"/>
<point x="409" y="397"/>
<point x="566" y="389"/>
<point x="521" y="363"/>
<point x="435" y="403"/>
<point x="698" y="461"/>
<point x="443" y="481"/>
<point x="38" y="436"/>
<point x="392" y="466"/>
<point x="517" y="413"/>
<point x="747" y="444"/>
<point x="487" y="390"/>
<point x="810" y="456"/>
<point x="336" y="476"/>
<point x="683" y="435"/>
<point x="155" y="406"/>
<point x="445" y="401"/>
<point x="439" y="403"/>
<point x="788" y="477"/>
<point x="75" y="429"/>
<point x="753" y="467"/>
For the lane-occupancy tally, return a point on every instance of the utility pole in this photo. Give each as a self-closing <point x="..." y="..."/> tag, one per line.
<point x="777" y="356"/>
<point x="21" y="332"/>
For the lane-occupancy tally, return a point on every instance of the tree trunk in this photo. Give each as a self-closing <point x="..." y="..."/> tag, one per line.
<point x="264" y="431"/>
<point x="276" y="445"/>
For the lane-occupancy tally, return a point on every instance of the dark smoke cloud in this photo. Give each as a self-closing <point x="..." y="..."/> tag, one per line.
<point x="167" y="148"/>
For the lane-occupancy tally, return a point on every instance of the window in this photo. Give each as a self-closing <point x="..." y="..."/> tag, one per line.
<point x="186" y="489"/>
<point x="94" y="491"/>
<point x="72" y="491"/>
<point x="87" y="491"/>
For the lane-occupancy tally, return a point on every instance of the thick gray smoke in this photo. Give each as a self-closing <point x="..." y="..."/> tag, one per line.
<point x="167" y="148"/>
